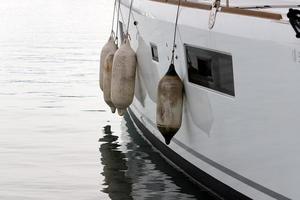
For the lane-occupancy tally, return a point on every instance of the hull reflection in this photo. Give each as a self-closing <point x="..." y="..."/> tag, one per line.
<point x="133" y="170"/>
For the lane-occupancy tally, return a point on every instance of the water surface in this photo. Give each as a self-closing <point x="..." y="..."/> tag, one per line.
<point x="58" y="140"/>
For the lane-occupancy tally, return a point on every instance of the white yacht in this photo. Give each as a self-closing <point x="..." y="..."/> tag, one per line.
<point x="239" y="61"/>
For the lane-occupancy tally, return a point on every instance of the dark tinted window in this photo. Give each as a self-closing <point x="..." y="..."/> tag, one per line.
<point x="204" y="68"/>
<point x="210" y="69"/>
<point x="154" y="52"/>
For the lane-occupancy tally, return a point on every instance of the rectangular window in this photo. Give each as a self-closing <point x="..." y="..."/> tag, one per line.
<point x="154" y="52"/>
<point x="204" y="68"/>
<point x="210" y="69"/>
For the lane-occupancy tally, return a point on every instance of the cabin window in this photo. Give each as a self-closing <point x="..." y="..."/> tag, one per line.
<point x="210" y="69"/>
<point x="154" y="52"/>
<point x="204" y="68"/>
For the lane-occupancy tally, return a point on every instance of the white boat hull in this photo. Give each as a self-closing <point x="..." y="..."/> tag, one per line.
<point x="247" y="142"/>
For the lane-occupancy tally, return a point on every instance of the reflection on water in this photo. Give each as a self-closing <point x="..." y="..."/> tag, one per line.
<point x="114" y="167"/>
<point x="51" y="109"/>
<point x="133" y="170"/>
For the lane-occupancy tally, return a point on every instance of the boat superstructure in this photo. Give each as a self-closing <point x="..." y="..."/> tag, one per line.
<point x="240" y="122"/>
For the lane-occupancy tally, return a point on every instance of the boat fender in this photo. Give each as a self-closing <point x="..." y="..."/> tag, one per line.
<point x="294" y="18"/>
<point x="109" y="47"/>
<point x="169" y="104"/>
<point x="123" y="77"/>
<point x="107" y="81"/>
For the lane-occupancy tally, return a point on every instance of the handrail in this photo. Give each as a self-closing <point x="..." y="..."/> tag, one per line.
<point x="187" y="4"/>
<point x="252" y="13"/>
<point x="230" y="10"/>
<point x="268" y="6"/>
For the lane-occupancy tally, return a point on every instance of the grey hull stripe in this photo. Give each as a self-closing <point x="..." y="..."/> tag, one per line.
<point x="232" y="173"/>
<point x="225" y="170"/>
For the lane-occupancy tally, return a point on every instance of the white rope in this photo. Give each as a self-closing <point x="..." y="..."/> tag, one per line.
<point x="175" y="31"/>
<point x="118" y="18"/>
<point x="113" y="20"/>
<point x="128" y="22"/>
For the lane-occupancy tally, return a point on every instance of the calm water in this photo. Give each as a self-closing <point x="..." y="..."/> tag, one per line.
<point x="58" y="139"/>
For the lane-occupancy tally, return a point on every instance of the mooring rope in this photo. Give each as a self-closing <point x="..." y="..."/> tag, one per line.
<point x="113" y="19"/>
<point x="175" y="31"/>
<point x="118" y="18"/>
<point x="128" y="22"/>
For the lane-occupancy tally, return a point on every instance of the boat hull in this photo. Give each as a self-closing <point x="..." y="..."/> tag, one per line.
<point x="246" y="141"/>
<point x="221" y="190"/>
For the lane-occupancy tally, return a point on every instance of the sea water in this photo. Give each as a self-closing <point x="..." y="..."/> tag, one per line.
<point x="58" y="139"/>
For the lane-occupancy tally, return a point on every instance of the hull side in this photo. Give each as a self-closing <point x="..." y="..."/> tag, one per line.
<point x="239" y="138"/>
<point x="219" y="188"/>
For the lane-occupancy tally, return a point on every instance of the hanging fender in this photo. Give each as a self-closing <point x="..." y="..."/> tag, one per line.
<point x="109" y="47"/>
<point x="123" y="77"/>
<point x="107" y="81"/>
<point x="169" y="104"/>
